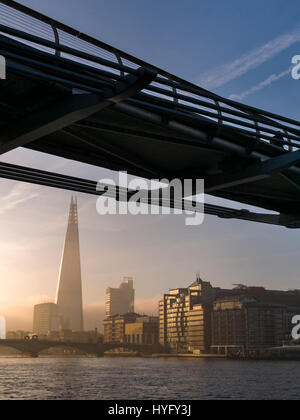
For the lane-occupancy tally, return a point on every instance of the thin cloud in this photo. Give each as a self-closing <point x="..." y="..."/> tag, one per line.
<point x="18" y="195"/>
<point x="262" y="85"/>
<point x="230" y="71"/>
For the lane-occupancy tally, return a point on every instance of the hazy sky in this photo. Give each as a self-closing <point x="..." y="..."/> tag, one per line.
<point x="242" y="50"/>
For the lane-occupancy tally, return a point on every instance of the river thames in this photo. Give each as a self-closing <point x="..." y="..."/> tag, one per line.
<point x="139" y="378"/>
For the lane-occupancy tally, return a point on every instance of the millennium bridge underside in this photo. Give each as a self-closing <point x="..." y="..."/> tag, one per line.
<point x="72" y="96"/>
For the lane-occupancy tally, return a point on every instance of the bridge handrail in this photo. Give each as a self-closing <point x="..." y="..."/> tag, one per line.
<point x="168" y="93"/>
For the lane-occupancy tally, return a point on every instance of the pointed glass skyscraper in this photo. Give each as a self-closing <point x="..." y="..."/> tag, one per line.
<point x="69" y="292"/>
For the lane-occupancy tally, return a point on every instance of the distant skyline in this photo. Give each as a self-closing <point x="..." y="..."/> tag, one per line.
<point x="238" y="50"/>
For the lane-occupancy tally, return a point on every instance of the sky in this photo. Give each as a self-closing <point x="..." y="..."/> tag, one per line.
<point x="241" y="50"/>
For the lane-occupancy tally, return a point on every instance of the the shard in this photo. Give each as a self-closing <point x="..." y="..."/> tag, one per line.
<point x="69" y="292"/>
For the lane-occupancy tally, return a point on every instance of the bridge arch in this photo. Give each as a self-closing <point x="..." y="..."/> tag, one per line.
<point x="35" y="347"/>
<point x="63" y="346"/>
<point x="16" y="348"/>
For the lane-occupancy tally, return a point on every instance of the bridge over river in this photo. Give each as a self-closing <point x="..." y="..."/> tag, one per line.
<point x="33" y="348"/>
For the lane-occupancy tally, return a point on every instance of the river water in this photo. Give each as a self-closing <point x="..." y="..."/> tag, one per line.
<point x="138" y="378"/>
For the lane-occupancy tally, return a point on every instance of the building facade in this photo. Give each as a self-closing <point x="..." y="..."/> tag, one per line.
<point x="45" y="318"/>
<point x="120" y="300"/>
<point x="143" y="332"/>
<point x="185" y="318"/>
<point x="246" y="323"/>
<point x="17" y="335"/>
<point x="203" y="319"/>
<point x="114" y="327"/>
<point x="68" y="336"/>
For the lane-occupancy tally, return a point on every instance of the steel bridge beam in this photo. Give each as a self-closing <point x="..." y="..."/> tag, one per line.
<point x="51" y="119"/>
<point x="71" y="109"/>
<point x="111" y="150"/>
<point x="254" y="172"/>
